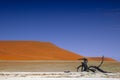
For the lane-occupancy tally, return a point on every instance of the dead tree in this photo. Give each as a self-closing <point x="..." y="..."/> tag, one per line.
<point x="85" y="67"/>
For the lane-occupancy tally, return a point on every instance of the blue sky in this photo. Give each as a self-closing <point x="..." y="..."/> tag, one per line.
<point x="86" y="27"/>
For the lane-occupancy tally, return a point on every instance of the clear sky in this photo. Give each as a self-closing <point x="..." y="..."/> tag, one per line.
<point x="86" y="27"/>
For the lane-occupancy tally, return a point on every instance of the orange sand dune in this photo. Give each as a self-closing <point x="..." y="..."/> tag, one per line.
<point x="33" y="50"/>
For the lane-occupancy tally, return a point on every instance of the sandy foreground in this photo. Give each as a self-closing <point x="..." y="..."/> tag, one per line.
<point x="52" y="66"/>
<point x="58" y="76"/>
<point x="55" y="70"/>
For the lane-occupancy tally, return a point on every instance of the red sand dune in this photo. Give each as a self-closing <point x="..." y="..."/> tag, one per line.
<point x="34" y="50"/>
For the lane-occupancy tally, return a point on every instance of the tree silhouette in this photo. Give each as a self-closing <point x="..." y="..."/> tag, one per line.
<point x="85" y="67"/>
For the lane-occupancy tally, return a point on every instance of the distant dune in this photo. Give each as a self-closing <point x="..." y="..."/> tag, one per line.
<point x="34" y="50"/>
<point x="99" y="59"/>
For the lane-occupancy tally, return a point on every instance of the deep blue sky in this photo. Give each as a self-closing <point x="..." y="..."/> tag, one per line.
<point x="86" y="27"/>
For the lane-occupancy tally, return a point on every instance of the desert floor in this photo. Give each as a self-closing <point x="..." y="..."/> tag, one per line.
<point x="52" y="66"/>
<point x="54" y="69"/>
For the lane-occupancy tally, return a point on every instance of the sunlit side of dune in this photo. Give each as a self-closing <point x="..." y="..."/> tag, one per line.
<point x="33" y="50"/>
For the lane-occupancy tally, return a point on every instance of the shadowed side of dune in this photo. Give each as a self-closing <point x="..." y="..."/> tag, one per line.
<point x="33" y="50"/>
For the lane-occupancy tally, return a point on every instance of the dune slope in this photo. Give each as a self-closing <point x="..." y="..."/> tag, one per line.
<point x="33" y="50"/>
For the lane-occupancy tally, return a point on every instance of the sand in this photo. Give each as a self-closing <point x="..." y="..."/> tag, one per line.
<point x="33" y="78"/>
<point x="60" y="74"/>
<point x="51" y="66"/>
<point x="54" y="70"/>
<point x="32" y="60"/>
<point x="35" y="50"/>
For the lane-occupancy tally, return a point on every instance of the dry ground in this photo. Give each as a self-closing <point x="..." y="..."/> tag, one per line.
<point x="51" y="66"/>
